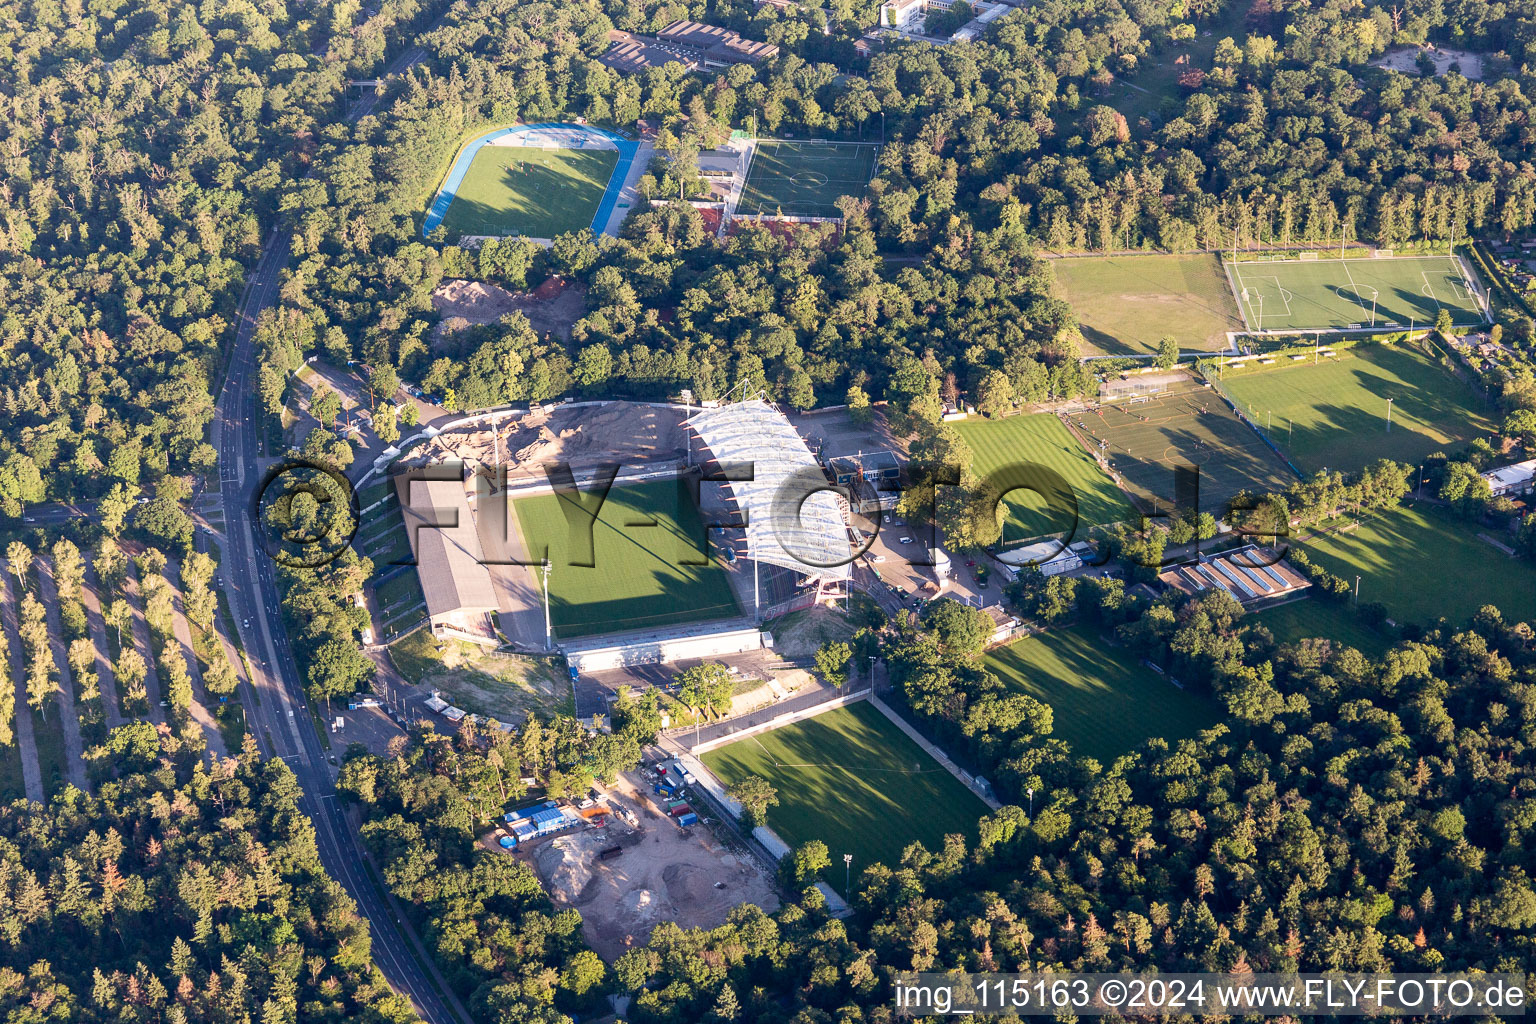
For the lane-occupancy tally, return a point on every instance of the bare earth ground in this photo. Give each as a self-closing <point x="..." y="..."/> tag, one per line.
<point x="1404" y="58"/>
<point x="799" y="634"/>
<point x="665" y="873"/>
<point x="463" y="303"/>
<point x="585" y="436"/>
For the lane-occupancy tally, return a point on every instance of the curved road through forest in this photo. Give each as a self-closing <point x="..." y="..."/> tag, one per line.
<point x="279" y="718"/>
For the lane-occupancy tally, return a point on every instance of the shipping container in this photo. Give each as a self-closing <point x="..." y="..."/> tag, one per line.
<point x="680" y="810"/>
<point x="610" y="853"/>
<point x="688" y="819"/>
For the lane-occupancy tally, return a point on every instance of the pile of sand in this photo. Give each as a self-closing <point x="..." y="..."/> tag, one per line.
<point x="641" y="910"/>
<point x="565" y="866"/>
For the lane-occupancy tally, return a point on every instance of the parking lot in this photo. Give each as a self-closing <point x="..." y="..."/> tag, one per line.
<point x="975" y="580"/>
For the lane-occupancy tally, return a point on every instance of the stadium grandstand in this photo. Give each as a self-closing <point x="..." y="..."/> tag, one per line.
<point x="792" y="517"/>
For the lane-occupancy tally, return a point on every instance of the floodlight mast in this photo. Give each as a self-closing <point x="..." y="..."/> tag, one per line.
<point x="548" y="642"/>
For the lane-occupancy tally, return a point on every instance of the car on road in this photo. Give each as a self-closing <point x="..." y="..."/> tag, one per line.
<point x="905" y="540"/>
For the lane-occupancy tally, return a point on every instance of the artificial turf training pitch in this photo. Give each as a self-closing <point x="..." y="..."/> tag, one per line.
<point x="804" y="179"/>
<point x="1289" y="295"/>
<point x="1004" y="449"/>
<point x="1332" y="413"/>
<point x="637" y="573"/>
<point x="529" y="191"/>
<point x="1147" y="440"/>
<point x="851" y="778"/>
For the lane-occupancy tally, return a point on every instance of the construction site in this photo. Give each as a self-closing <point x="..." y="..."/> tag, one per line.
<point x="625" y="879"/>
<point x="586" y="436"/>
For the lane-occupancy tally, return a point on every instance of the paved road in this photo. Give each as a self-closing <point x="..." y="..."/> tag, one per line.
<point x="31" y="774"/>
<point x="69" y="718"/>
<point x="281" y="720"/>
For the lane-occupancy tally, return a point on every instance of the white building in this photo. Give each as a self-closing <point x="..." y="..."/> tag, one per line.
<point x="1512" y="479"/>
<point x="1049" y="556"/>
<point x="904" y="15"/>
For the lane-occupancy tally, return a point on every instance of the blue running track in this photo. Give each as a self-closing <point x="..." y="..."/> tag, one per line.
<point x="446" y="194"/>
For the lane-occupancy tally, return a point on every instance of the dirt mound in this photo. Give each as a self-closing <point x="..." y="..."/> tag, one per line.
<point x="686" y="883"/>
<point x="642" y="909"/>
<point x="566" y="867"/>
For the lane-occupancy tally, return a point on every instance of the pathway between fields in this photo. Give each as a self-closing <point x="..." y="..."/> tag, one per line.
<point x="69" y="718"/>
<point x="933" y="751"/>
<point x="31" y="773"/>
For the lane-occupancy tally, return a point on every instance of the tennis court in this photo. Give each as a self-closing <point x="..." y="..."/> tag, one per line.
<point x="1146" y="440"/>
<point x="851" y="778"/>
<point x="1291" y="295"/>
<point x="804" y="179"/>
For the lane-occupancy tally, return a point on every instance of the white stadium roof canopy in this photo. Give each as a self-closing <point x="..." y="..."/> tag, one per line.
<point x="784" y="526"/>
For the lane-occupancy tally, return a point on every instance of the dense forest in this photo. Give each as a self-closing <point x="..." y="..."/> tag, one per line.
<point x="146" y="148"/>
<point x="180" y="892"/>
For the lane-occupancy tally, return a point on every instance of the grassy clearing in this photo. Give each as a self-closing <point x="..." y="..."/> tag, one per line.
<point x="637" y="572"/>
<point x="1333" y="413"/>
<point x="1422" y="563"/>
<point x="852" y="779"/>
<point x="539" y="193"/>
<point x="1293" y="295"/>
<point x="504" y="687"/>
<point x="1003" y="447"/>
<point x="1127" y="304"/>
<point x="1105" y="702"/>
<point x="12" y="785"/>
<point x="1316" y="617"/>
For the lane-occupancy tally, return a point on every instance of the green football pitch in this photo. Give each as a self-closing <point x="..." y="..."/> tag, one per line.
<point x="1146" y="441"/>
<point x="804" y="179"/>
<point x="522" y="190"/>
<point x="1319" y="617"/>
<point x="636" y="572"/>
<point x="1104" y="702"/>
<point x="1125" y="305"/>
<point x="851" y="778"/>
<point x="1294" y="295"/>
<point x="1423" y="563"/>
<point x="1333" y="413"/>
<point x="1003" y="450"/>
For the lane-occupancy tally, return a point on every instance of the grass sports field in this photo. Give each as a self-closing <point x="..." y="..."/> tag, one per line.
<point x="1423" y="563"/>
<point x="522" y="190"/>
<point x="1127" y="304"/>
<point x="804" y="179"/>
<point x="1146" y="440"/>
<point x="1105" y="702"/>
<point x="1334" y="413"/>
<point x="1316" y="617"/>
<point x="1319" y="294"/>
<point x="852" y="779"/>
<point x="1001" y="446"/>
<point x="636" y="577"/>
